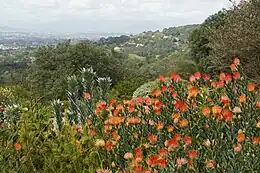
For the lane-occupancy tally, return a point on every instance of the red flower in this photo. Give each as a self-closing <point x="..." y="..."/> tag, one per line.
<point x="172" y="143"/>
<point x="175" y="77"/>
<point x="17" y="146"/>
<point x="236" y="61"/>
<point x="138" y="152"/>
<point x="197" y="75"/>
<point x="163" y="152"/>
<point x="177" y="136"/>
<point x="181" y="106"/>
<point x="187" y="140"/>
<point x="138" y="168"/>
<point x="256" y="140"/>
<point x="161" y="78"/>
<point x="227" y="115"/>
<point x="162" y="163"/>
<point x="151" y="162"/>
<point x="220" y="84"/>
<point x="228" y="78"/>
<point x="164" y="88"/>
<point x="236" y="75"/>
<point x="205" y="77"/>
<point x="225" y="100"/>
<point x="192" y="154"/>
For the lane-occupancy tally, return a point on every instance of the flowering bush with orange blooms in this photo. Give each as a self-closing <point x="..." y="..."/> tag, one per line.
<point x="204" y="124"/>
<point x="201" y="125"/>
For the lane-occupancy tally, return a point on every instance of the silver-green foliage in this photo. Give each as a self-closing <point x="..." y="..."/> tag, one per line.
<point x="80" y="108"/>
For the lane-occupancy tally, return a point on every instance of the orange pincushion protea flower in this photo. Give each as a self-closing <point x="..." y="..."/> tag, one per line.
<point x="233" y="67"/>
<point x="183" y="123"/>
<point x="251" y="87"/>
<point x="161" y="78"/>
<point x="192" y="154"/>
<point x="176" y="115"/>
<point x="181" y="106"/>
<point x="236" y="75"/>
<point x="17" y="146"/>
<point x="133" y="120"/>
<point x="206" y="111"/>
<point x="192" y="91"/>
<point x="163" y="152"/>
<point x="197" y="75"/>
<point x="109" y="146"/>
<point x="159" y="125"/>
<point x="180" y="162"/>
<point x="177" y="136"/>
<point x="187" y="140"/>
<point x="92" y="132"/>
<point x="242" y="99"/>
<point x="256" y="140"/>
<point x="222" y="76"/>
<point x="115" y="120"/>
<point x="115" y="136"/>
<point x="241" y="136"/>
<point x="225" y="100"/>
<point x="152" y="138"/>
<point x="156" y="93"/>
<point x="170" y="128"/>
<point x="216" y="109"/>
<point x="210" y="164"/>
<point x="227" y="114"/>
<point x="172" y="143"/>
<point x="175" y="77"/>
<point x="206" y="77"/>
<point x="138" y="169"/>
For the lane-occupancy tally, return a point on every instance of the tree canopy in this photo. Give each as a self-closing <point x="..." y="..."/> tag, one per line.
<point x="53" y="64"/>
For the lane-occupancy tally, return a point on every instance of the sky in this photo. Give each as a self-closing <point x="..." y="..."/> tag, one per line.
<point x="124" y="16"/>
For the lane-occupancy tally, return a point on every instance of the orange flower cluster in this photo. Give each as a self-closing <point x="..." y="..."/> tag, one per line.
<point x="183" y="118"/>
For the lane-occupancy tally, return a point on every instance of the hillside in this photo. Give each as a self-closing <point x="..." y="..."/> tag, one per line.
<point x="152" y="43"/>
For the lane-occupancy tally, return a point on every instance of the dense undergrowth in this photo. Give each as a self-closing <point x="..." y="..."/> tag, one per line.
<point x="204" y="124"/>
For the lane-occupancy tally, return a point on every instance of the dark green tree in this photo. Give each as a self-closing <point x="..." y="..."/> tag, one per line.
<point x="48" y="74"/>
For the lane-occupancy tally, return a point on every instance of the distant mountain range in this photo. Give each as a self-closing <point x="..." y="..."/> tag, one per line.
<point x="10" y="29"/>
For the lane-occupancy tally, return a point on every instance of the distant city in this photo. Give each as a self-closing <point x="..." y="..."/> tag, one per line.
<point x="11" y="39"/>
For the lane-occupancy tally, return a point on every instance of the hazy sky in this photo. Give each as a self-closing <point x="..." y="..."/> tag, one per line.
<point x="104" y="15"/>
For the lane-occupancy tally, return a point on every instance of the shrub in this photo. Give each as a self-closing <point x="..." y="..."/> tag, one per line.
<point x="200" y="125"/>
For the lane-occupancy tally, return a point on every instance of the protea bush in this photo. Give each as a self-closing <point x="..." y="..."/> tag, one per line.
<point x="204" y="124"/>
<point x="201" y="125"/>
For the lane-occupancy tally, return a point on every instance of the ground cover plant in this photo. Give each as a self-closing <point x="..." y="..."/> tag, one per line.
<point x="204" y="124"/>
